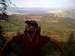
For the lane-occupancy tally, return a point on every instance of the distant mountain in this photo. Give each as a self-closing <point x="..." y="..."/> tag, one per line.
<point x="63" y="13"/>
<point x="42" y="11"/>
<point x="70" y="13"/>
<point x="25" y="11"/>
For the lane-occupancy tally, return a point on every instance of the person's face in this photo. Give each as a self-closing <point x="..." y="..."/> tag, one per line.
<point x="30" y="28"/>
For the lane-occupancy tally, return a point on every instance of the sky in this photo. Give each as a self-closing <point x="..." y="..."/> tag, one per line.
<point x="61" y="4"/>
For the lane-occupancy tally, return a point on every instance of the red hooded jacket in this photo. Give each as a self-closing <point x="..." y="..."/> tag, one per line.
<point x="22" y="45"/>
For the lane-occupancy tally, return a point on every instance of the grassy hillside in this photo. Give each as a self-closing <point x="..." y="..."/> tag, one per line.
<point x="60" y="30"/>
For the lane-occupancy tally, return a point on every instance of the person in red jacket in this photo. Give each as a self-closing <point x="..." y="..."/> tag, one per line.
<point x="30" y="43"/>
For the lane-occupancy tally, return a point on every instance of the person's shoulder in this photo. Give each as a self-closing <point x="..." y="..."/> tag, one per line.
<point x="17" y="37"/>
<point x="45" y="38"/>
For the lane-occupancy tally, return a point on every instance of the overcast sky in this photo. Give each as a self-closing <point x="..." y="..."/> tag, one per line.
<point x="45" y="3"/>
